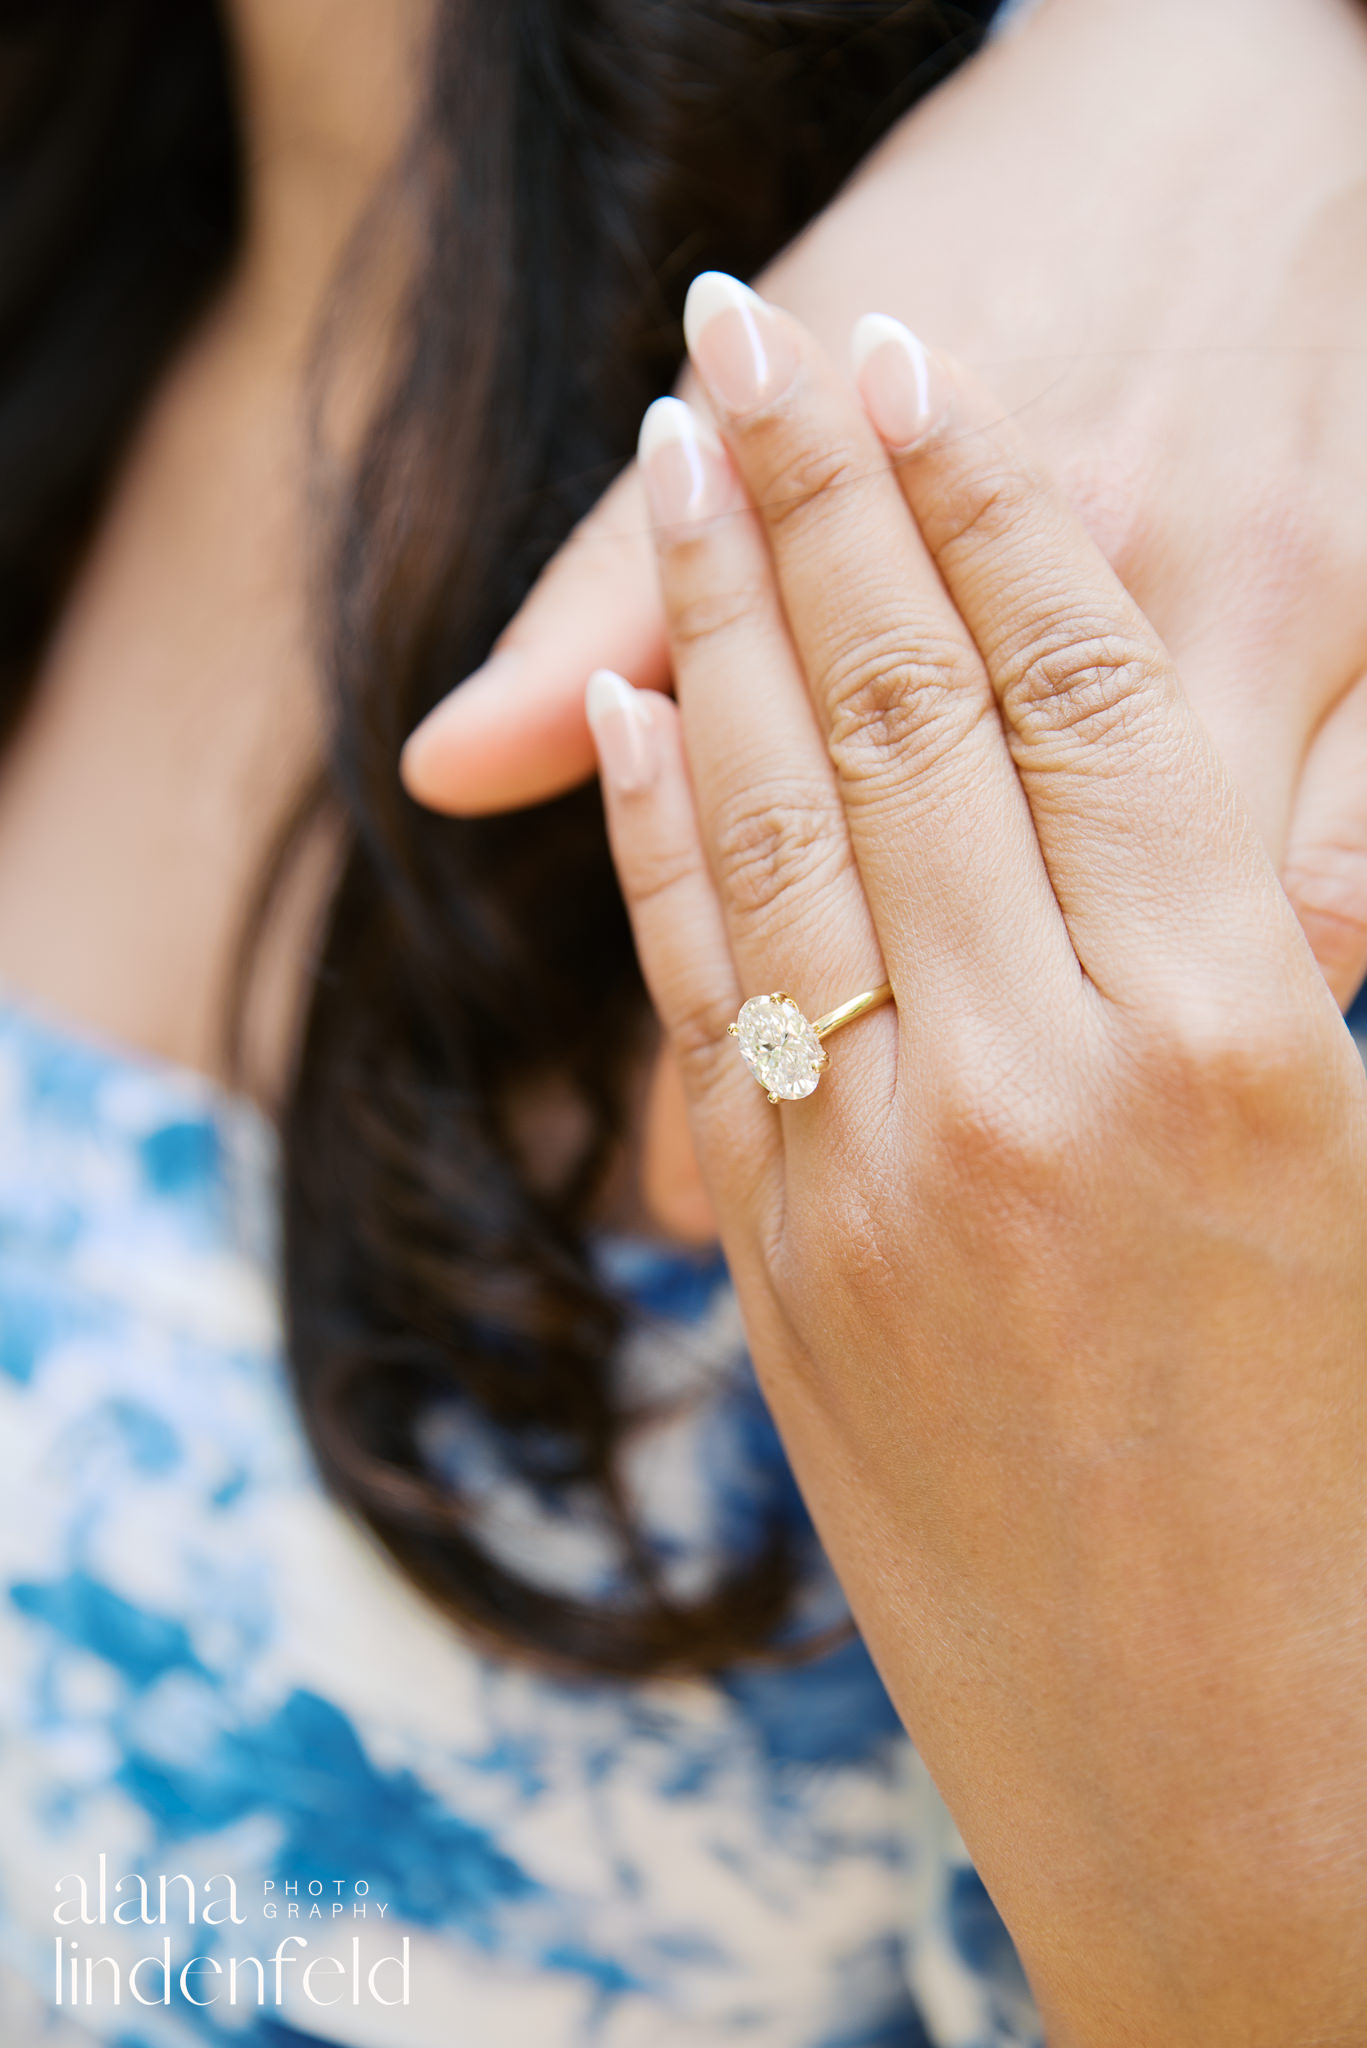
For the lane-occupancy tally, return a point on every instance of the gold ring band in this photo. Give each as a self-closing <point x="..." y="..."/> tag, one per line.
<point x="782" y="1050"/>
<point x="857" y="1006"/>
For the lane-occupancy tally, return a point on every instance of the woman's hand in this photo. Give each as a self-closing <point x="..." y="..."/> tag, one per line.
<point x="1149" y="223"/>
<point x="1057" y="1284"/>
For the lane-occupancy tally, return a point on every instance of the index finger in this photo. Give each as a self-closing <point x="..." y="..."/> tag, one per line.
<point x="514" y="733"/>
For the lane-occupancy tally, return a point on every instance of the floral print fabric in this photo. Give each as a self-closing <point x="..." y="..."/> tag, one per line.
<point x="209" y="1675"/>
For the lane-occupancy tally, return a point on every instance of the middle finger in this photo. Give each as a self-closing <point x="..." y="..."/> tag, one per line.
<point x="940" y="826"/>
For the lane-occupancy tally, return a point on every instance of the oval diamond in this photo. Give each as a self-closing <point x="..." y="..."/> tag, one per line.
<point x="779" y="1046"/>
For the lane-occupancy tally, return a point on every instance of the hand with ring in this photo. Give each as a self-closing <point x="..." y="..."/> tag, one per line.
<point x="1057" y="1283"/>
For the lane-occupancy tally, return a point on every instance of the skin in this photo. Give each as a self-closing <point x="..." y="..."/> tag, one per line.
<point x="1158" y="252"/>
<point x="179" y="707"/>
<point x="1057" y="1285"/>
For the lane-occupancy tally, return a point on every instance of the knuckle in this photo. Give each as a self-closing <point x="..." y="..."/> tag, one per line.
<point x="1007" y="1159"/>
<point x="1075" y="676"/>
<point x="979" y="508"/>
<point x="804" y="475"/>
<point x="704" y="1054"/>
<point x="1230" y="1071"/>
<point x="1210" y="1037"/>
<point x="651" y="873"/>
<point x="886" y="698"/>
<point x="700" y="614"/>
<point x="1018" y="1145"/>
<point x="763" y="845"/>
<point x="1327" y="885"/>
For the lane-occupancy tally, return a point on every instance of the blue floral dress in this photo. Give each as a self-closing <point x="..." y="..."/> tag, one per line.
<point x="255" y="1786"/>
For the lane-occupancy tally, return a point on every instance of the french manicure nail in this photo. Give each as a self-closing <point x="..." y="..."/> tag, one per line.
<point x="743" y="354"/>
<point x="686" y="473"/>
<point x="893" y="376"/>
<point x="621" y="731"/>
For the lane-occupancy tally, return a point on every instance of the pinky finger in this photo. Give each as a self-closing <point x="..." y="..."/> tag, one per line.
<point x="680" y="936"/>
<point x="1325" y="872"/>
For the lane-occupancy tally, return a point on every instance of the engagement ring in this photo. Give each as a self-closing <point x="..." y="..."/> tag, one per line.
<point x="782" y="1050"/>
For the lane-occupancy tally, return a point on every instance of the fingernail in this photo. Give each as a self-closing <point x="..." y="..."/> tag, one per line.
<point x="893" y="376"/>
<point x="743" y="353"/>
<point x="621" y="731"/>
<point x="686" y="473"/>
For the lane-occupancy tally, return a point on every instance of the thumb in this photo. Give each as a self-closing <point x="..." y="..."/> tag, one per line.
<point x="1325" y="872"/>
<point x="514" y="732"/>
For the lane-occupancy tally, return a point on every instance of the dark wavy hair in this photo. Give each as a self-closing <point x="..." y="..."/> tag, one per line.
<point x="576" y="163"/>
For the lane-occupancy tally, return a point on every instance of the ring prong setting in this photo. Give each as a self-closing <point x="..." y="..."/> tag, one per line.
<point x="783" y="1049"/>
<point x="779" y="1046"/>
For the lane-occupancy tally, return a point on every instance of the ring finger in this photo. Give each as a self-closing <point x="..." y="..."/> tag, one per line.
<point x="770" y="809"/>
